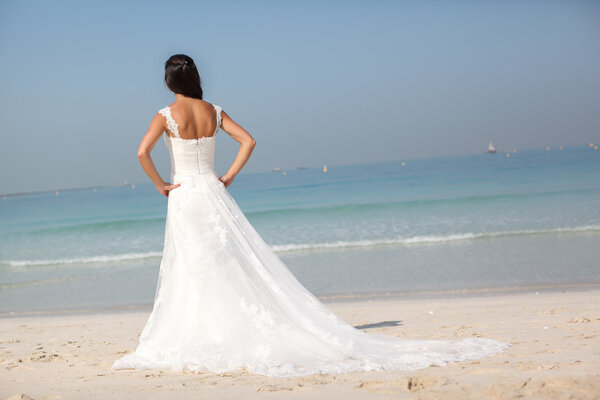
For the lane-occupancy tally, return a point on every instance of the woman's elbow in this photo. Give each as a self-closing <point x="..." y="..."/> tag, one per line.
<point x="142" y="154"/>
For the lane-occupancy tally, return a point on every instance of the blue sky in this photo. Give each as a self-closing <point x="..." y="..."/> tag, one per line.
<point x="315" y="82"/>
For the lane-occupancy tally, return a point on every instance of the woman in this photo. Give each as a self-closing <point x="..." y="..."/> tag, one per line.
<point x="224" y="299"/>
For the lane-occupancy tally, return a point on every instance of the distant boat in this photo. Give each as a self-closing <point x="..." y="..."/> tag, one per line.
<point x="276" y="169"/>
<point x="491" y="148"/>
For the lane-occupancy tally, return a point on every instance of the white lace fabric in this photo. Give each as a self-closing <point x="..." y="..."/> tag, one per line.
<point x="225" y="301"/>
<point x="173" y="126"/>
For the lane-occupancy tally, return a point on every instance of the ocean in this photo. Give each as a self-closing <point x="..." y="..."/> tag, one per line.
<point x="479" y="222"/>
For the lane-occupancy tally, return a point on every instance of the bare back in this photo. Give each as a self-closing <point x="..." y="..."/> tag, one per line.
<point x="195" y="118"/>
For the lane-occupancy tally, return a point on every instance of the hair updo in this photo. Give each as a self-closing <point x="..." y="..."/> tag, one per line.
<point x="181" y="76"/>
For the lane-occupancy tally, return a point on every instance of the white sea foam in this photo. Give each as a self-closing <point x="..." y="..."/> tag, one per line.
<point x="84" y="260"/>
<point x="406" y="241"/>
<point x="430" y="239"/>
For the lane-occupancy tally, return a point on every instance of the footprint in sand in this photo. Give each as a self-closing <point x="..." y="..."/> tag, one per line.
<point x="277" y="388"/>
<point x="410" y="384"/>
<point x="466" y="330"/>
<point x="582" y="320"/>
<point x="45" y="357"/>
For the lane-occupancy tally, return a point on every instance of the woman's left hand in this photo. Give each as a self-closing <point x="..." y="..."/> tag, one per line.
<point x="166" y="187"/>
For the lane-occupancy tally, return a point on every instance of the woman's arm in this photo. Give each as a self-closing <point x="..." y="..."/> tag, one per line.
<point x="247" y="144"/>
<point x="157" y="127"/>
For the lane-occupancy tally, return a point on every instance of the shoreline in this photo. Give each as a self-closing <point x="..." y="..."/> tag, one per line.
<point x="450" y="294"/>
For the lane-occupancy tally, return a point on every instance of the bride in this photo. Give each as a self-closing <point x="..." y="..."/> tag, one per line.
<point x="224" y="300"/>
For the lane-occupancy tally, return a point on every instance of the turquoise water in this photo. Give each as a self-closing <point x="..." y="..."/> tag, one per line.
<point x="468" y="222"/>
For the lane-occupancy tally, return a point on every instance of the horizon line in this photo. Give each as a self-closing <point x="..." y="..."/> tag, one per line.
<point x="127" y="183"/>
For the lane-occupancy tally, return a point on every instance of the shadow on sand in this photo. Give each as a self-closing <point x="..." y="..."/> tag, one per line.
<point x="383" y="324"/>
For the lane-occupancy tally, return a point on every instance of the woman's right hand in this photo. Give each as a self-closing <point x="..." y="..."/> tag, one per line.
<point x="166" y="187"/>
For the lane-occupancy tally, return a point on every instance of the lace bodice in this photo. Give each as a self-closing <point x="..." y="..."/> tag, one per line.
<point x="189" y="156"/>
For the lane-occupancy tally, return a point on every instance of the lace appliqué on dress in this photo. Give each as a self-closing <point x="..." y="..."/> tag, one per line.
<point x="215" y="218"/>
<point x="262" y="318"/>
<point x="219" y="117"/>
<point x="171" y="124"/>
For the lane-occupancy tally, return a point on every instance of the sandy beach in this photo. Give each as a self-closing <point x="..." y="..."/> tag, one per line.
<point x="554" y="333"/>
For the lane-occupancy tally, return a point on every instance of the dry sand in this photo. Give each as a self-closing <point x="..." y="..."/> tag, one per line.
<point x="555" y="353"/>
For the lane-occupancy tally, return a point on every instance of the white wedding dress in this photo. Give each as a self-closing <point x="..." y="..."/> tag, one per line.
<point x="225" y="300"/>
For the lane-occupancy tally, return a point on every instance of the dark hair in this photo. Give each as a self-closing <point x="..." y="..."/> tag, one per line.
<point x="181" y="76"/>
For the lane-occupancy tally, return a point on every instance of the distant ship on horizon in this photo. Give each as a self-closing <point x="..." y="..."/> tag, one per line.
<point x="491" y="148"/>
